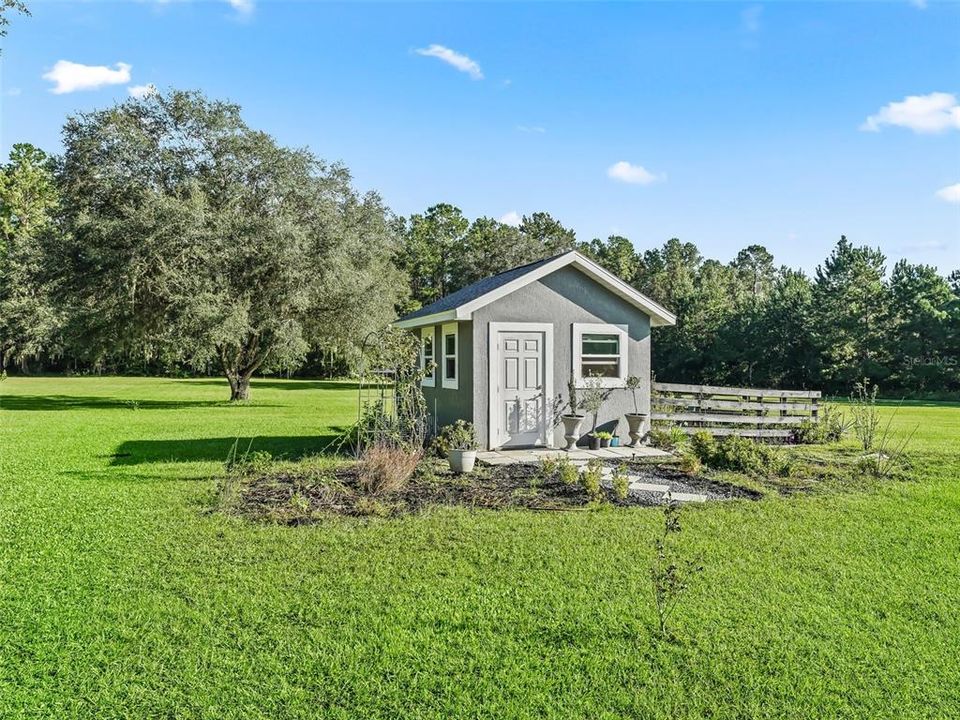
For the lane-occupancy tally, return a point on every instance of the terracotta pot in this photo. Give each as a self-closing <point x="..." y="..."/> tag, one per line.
<point x="571" y="430"/>
<point x="461" y="461"/>
<point x="636" y="421"/>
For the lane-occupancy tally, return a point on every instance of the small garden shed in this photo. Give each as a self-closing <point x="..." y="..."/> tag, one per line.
<point x="504" y="349"/>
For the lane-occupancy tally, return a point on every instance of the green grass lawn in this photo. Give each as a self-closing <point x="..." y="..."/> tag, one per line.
<point x="121" y="595"/>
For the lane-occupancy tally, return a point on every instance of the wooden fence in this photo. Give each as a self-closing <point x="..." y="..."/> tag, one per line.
<point x="750" y="412"/>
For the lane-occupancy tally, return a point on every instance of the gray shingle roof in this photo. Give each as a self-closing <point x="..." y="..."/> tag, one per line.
<point x="477" y="289"/>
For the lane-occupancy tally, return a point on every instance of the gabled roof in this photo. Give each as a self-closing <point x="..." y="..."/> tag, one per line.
<point x="461" y="304"/>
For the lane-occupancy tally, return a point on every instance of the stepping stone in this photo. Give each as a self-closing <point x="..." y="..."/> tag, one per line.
<point x="648" y="487"/>
<point x="648" y="452"/>
<point x="496" y="460"/>
<point x="688" y="497"/>
<point x="525" y="458"/>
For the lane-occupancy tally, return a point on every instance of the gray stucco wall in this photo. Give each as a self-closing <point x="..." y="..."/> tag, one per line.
<point x="562" y="298"/>
<point x="446" y="405"/>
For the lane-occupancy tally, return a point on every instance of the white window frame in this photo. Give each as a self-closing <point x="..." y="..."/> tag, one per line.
<point x="454" y="382"/>
<point x="427" y="333"/>
<point x="581" y="329"/>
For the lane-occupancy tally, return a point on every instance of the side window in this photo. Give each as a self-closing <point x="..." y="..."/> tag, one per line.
<point x="427" y="361"/>
<point x="451" y="368"/>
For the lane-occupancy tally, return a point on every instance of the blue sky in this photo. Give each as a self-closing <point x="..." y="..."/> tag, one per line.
<point x="720" y="123"/>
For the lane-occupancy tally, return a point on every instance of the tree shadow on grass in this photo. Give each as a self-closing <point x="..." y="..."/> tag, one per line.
<point x="135" y="452"/>
<point x="89" y="402"/>
<point x="269" y="384"/>
<point x="115" y="475"/>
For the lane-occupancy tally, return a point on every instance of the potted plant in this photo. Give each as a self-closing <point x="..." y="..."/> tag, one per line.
<point x="604" y="438"/>
<point x="594" y="396"/>
<point x="635" y="419"/>
<point x="461" y="442"/>
<point x="572" y="419"/>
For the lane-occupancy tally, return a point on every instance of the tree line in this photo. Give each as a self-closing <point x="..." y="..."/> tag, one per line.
<point x="170" y="237"/>
<point x="744" y="322"/>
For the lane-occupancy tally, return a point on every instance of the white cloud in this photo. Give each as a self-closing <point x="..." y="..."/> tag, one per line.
<point x="750" y="18"/>
<point x="243" y="7"/>
<point x="634" y="174"/>
<point x="141" y="91"/>
<point x="70" y="76"/>
<point x="950" y="194"/>
<point x="452" y="57"/>
<point x="511" y="218"/>
<point x="931" y="113"/>
<point x="922" y="4"/>
<point x="531" y="129"/>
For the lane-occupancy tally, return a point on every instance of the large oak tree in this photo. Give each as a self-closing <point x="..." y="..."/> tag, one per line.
<point x="194" y="238"/>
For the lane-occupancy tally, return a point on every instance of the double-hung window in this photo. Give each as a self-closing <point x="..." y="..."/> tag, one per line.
<point x="450" y="341"/>
<point x="600" y="351"/>
<point x="427" y="357"/>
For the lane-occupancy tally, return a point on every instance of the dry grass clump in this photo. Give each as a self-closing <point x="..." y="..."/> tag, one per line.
<point x="385" y="468"/>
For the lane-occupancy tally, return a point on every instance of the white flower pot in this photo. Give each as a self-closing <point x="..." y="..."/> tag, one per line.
<point x="461" y="461"/>
<point x="571" y="430"/>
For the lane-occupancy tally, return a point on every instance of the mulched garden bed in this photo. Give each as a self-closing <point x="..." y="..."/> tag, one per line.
<point x="292" y="498"/>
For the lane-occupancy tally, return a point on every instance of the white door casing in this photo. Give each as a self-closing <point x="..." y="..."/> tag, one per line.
<point x="520" y="384"/>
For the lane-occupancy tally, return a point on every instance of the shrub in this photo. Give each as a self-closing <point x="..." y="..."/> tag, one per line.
<point x="690" y="462"/>
<point x="594" y="396"/>
<point x="739" y="454"/>
<point x="703" y="446"/>
<point x="590" y="478"/>
<point x="833" y="424"/>
<point x="888" y="457"/>
<point x="299" y="503"/>
<point x="249" y="463"/>
<point x="573" y="400"/>
<point x="372" y="507"/>
<point x="548" y="468"/>
<point x="671" y="437"/>
<point x="807" y="433"/>
<point x="385" y="468"/>
<point x="866" y="418"/>
<point x="458" y="436"/>
<point x="831" y="427"/>
<point x="569" y="475"/>
<point x="775" y="462"/>
<point x="621" y="481"/>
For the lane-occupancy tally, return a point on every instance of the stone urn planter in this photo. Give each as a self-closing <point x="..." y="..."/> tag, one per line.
<point x="571" y="430"/>
<point x="462" y="461"/>
<point x="635" y="422"/>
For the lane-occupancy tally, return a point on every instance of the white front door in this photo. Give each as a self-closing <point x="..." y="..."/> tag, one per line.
<point x="521" y="401"/>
